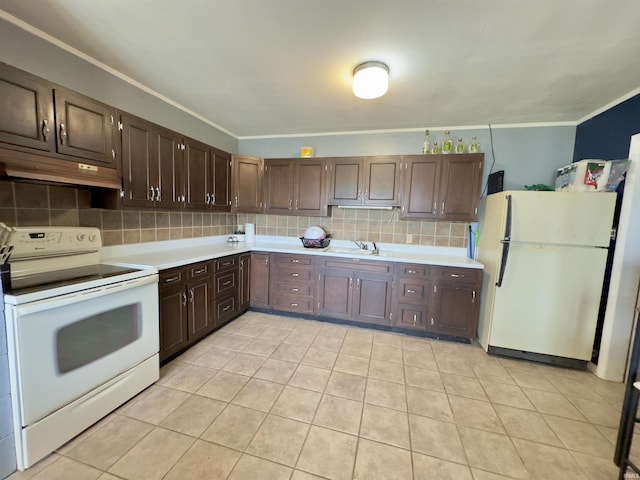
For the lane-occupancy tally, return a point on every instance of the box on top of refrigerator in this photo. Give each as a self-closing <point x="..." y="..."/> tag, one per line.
<point x="584" y="176"/>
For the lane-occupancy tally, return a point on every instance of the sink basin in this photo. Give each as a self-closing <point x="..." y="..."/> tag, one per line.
<point x="358" y="252"/>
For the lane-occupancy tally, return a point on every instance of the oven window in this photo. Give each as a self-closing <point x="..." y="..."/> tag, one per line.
<point x="97" y="336"/>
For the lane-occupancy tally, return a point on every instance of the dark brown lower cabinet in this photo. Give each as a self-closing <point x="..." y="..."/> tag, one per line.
<point x="197" y="298"/>
<point x="260" y="266"/>
<point x="356" y="290"/>
<point x="244" y="297"/>
<point x="455" y="302"/>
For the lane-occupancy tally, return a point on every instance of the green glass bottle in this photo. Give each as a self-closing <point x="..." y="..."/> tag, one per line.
<point x="426" y="145"/>
<point x="447" y="143"/>
<point x="459" y="146"/>
<point x="474" y="146"/>
<point x="435" y="148"/>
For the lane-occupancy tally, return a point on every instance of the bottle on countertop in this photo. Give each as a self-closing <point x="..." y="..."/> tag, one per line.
<point x="426" y="145"/>
<point x="459" y="146"/>
<point x="474" y="146"/>
<point x="435" y="147"/>
<point x="447" y="143"/>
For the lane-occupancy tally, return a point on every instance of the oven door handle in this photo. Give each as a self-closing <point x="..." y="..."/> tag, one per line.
<point x="92" y="293"/>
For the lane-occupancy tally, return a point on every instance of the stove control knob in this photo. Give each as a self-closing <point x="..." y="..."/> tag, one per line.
<point x="93" y="237"/>
<point x="80" y="237"/>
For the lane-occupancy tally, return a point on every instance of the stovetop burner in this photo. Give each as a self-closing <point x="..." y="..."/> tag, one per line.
<point x="59" y="278"/>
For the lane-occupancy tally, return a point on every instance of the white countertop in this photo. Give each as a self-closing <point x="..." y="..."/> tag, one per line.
<point x="175" y="253"/>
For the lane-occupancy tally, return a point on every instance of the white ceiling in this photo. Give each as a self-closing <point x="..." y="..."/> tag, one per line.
<point x="283" y="67"/>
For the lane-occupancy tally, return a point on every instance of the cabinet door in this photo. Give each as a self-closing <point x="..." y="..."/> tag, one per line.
<point x="245" y="281"/>
<point x="197" y="162"/>
<point x="221" y="195"/>
<point x="84" y="128"/>
<point x="26" y="111"/>
<point x="139" y="162"/>
<point x="460" y="186"/>
<point x="372" y="298"/>
<point x="335" y="293"/>
<point x="247" y="184"/>
<point x="173" y="320"/>
<point x="199" y="304"/>
<point x="278" y="186"/>
<point x="346" y="177"/>
<point x="382" y="181"/>
<point x="310" y="188"/>
<point x="260" y="266"/>
<point x="168" y="151"/>
<point x="420" y="186"/>
<point x="455" y="302"/>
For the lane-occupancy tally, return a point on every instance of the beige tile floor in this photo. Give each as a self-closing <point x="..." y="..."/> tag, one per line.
<point x="272" y="397"/>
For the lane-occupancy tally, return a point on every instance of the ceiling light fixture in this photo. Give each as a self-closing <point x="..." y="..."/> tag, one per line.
<point x="370" y="80"/>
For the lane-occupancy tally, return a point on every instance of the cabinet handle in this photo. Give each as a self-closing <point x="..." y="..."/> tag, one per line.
<point x="456" y="275"/>
<point x="266" y="261"/>
<point x="226" y="264"/>
<point x="113" y="153"/>
<point x="63" y="134"/>
<point x="358" y="283"/>
<point x="228" y="282"/>
<point x="207" y="198"/>
<point x="415" y="319"/>
<point x="358" y="194"/>
<point x="242" y="264"/>
<point x="172" y="279"/>
<point x="184" y="299"/>
<point x="198" y="272"/>
<point x="213" y="199"/>
<point x="236" y="201"/>
<point x="442" y="211"/>
<point x="293" y="304"/>
<point x="297" y="204"/>
<point x="297" y="290"/>
<point x="294" y="260"/>
<point x="412" y="272"/>
<point x="435" y="207"/>
<point x="290" y="203"/>
<point x="410" y="291"/>
<point x="432" y="321"/>
<point x="45" y="129"/>
<point x="152" y="194"/>
<point x="227" y="308"/>
<point x="157" y="194"/>
<point x="366" y="194"/>
<point x="295" y="274"/>
<point x="350" y="282"/>
<point x="191" y="295"/>
<point x="435" y="289"/>
<point x="473" y="297"/>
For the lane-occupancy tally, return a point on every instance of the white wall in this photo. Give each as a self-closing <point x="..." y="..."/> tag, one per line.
<point x="528" y="155"/>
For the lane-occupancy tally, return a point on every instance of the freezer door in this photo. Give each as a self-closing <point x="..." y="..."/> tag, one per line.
<point x="564" y="218"/>
<point x="548" y="302"/>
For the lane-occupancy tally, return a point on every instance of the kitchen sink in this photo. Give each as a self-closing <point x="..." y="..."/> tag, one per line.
<point x="358" y="252"/>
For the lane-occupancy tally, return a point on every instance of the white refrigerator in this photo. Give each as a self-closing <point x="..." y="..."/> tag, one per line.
<point x="544" y="256"/>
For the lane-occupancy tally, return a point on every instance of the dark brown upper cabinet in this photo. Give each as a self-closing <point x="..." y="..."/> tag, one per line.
<point x="26" y="111"/>
<point x="84" y="128"/>
<point x="296" y="187"/>
<point x="443" y="187"/>
<point x="151" y="164"/>
<point x="220" y="196"/>
<point x="197" y="164"/>
<point x="247" y="184"/>
<point x="371" y="181"/>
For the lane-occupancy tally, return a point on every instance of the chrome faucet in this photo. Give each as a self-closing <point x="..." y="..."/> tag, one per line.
<point x="361" y="245"/>
<point x="376" y="251"/>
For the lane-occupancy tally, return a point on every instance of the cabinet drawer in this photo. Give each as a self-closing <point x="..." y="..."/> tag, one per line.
<point x="224" y="307"/>
<point x="358" y="265"/>
<point x="458" y="275"/>
<point x="283" y="259"/>
<point x="225" y="263"/>
<point x="412" y="291"/>
<point x="225" y="282"/>
<point x="199" y="270"/>
<point x="411" y="316"/>
<point x="171" y="277"/>
<point x="291" y="303"/>
<point x="292" y="272"/>
<point x="294" y="289"/>
<point x="414" y="270"/>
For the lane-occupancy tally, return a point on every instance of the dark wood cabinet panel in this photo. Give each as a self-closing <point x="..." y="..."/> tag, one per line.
<point x="244" y="297"/>
<point x="174" y="334"/>
<point x="220" y="199"/>
<point x="225" y="308"/>
<point x="200" y="302"/>
<point x="278" y="186"/>
<point x="169" y="156"/>
<point x="247" y="184"/>
<point x="197" y="164"/>
<point x="420" y="186"/>
<point x="260" y="267"/>
<point x="412" y="316"/>
<point x="310" y="188"/>
<point x="292" y="283"/>
<point x="365" y="181"/>
<point x="461" y="179"/>
<point x="26" y="111"/>
<point x="335" y="293"/>
<point x="372" y="299"/>
<point x="84" y="128"/>
<point x="442" y="186"/>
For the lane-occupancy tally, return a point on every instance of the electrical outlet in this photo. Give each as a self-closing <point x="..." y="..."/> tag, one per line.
<point x="409" y="238"/>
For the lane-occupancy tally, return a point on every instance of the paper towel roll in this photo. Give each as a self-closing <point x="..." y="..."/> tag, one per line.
<point x="249" y="232"/>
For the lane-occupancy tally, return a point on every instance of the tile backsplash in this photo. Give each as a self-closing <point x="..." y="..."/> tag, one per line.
<point x="33" y="204"/>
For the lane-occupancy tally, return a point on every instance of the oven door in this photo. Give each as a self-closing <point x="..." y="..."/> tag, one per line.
<point x="65" y="346"/>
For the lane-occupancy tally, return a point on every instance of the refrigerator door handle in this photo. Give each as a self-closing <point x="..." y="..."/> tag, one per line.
<point x="505" y="243"/>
